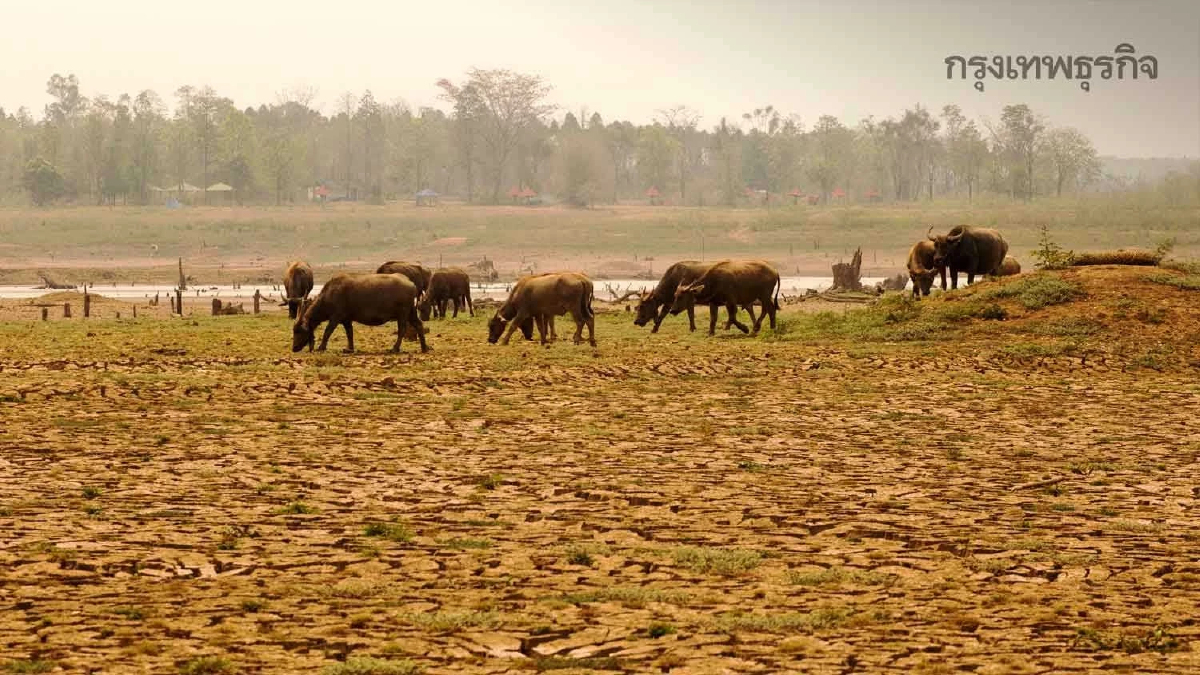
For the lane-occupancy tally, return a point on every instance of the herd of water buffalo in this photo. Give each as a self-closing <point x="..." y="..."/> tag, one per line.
<point x="411" y="294"/>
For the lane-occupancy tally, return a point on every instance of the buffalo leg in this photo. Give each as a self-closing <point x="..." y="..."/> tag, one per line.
<point x="401" y="329"/>
<point x="970" y="278"/>
<point x="712" y="320"/>
<point x="329" y="328"/>
<point x="768" y="311"/>
<point x="953" y="279"/>
<point x="942" y="271"/>
<point x="470" y="307"/>
<point x="732" y="309"/>
<point x="540" y="322"/>
<point x="455" y="314"/>
<point x="916" y="287"/>
<point x="349" y="336"/>
<point x="420" y="326"/>
<point x="579" y="324"/>
<point x="662" y="314"/>
<point x="512" y="325"/>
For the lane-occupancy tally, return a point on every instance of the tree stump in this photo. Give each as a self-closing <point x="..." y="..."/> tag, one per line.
<point x="216" y="306"/>
<point x="45" y="313"/>
<point x="179" y="300"/>
<point x="257" y="297"/>
<point x="847" y="276"/>
<point x="87" y="305"/>
<point x="66" y="310"/>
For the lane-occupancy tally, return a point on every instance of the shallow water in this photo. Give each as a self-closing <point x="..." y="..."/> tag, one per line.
<point x="498" y="290"/>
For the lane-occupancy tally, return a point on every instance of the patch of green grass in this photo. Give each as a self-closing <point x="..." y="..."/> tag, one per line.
<point x="580" y="556"/>
<point x="450" y="621"/>
<point x="630" y="596"/>
<point x="253" y="605"/>
<point x="1034" y="291"/>
<point x="366" y="665"/>
<point x="570" y="663"/>
<point x="1190" y="282"/>
<point x="752" y="467"/>
<point x="719" y="561"/>
<point x="1159" y="639"/>
<point x="29" y="666"/>
<point x="838" y="576"/>
<point x="466" y="544"/>
<point x="792" y="622"/>
<point x="208" y="665"/>
<point x="395" y="531"/>
<point x="1135" y="527"/>
<point x="91" y="492"/>
<point x="131" y="613"/>
<point x="490" y="481"/>
<point x="356" y="588"/>
<point x="1074" y="326"/>
<point x="296" y="508"/>
<point x="657" y="630"/>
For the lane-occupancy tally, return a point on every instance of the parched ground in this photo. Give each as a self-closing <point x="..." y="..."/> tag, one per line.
<point x="908" y="488"/>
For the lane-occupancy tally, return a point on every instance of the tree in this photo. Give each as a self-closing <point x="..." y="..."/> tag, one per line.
<point x="621" y="138"/>
<point x="43" y="181"/>
<point x="147" y="125"/>
<point x="370" y="120"/>
<point x="503" y="103"/>
<point x="680" y="122"/>
<point x="831" y="143"/>
<point x="468" y="117"/>
<point x="726" y="145"/>
<point x="1072" y="158"/>
<point x="202" y="111"/>
<point x="1019" y="139"/>
<point x="655" y="154"/>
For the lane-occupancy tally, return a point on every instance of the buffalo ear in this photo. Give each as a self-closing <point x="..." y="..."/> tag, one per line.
<point x="696" y="288"/>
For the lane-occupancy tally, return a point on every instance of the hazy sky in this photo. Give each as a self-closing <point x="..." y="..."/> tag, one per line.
<point x="627" y="60"/>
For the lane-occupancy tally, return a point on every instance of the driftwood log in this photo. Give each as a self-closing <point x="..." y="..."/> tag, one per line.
<point x="848" y="276"/>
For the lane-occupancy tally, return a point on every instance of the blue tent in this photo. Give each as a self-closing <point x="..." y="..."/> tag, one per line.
<point x="426" y="196"/>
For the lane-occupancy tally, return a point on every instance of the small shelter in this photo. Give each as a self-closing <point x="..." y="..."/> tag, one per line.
<point x="528" y="195"/>
<point x="795" y="195"/>
<point x="813" y="199"/>
<point x="838" y="193"/>
<point x="654" y="195"/>
<point x="873" y="195"/>
<point x="427" y="197"/>
<point x="514" y="194"/>
<point x="222" y="188"/>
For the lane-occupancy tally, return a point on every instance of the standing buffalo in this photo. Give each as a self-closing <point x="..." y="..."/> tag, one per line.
<point x="1010" y="267"/>
<point x="654" y="305"/>
<point x="541" y="298"/>
<point x="921" y="268"/>
<point x="369" y="299"/>
<point x="968" y="249"/>
<point x="297" y="284"/>
<point x="447" y="284"/>
<point x="733" y="283"/>
<point x="419" y="275"/>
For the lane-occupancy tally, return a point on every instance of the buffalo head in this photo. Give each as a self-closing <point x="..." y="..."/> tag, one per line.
<point x="945" y="245"/>
<point x="647" y="309"/>
<point x="497" y="324"/>
<point x="685" y="297"/>
<point x="302" y="336"/>
<point x="424" y="306"/>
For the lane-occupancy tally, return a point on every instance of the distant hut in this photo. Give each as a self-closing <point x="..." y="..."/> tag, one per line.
<point x="528" y="195"/>
<point x="427" y="197"/>
<point x="795" y="195"/>
<point x="514" y="193"/>
<point x="221" y="188"/>
<point x="654" y="195"/>
<point x="813" y="199"/>
<point x="839" y="194"/>
<point x="873" y="195"/>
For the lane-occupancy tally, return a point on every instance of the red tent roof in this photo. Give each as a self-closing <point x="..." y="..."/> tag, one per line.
<point x="796" y="193"/>
<point x="872" y="192"/>
<point x="652" y="192"/>
<point x="527" y="192"/>
<point x="514" y="192"/>
<point x="838" y="192"/>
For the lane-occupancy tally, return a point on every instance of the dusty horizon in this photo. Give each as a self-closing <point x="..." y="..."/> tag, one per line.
<point x="720" y="61"/>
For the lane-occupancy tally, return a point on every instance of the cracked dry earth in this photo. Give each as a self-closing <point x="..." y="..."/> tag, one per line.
<point x="665" y="503"/>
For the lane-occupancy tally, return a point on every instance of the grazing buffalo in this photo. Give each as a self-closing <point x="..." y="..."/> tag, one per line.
<point x="449" y="284"/>
<point x="733" y="283"/>
<point x="921" y="268"/>
<point x="541" y="298"/>
<point x="974" y="250"/>
<point x="419" y="275"/>
<point x="655" y="304"/>
<point x="369" y="299"/>
<point x="1010" y="267"/>
<point x="297" y="284"/>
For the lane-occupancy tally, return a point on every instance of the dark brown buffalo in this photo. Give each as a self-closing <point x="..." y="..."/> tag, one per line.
<point x="733" y="283"/>
<point x="369" y="299"/>
<point x="416" y="273"/>
<point x="1010" y="267"/>
<point x="974" y="250"/>
<point x="449" y="284"/>
<point x="921" y="268"/>
<point x="297" y="284"/>
<point x="654" y="305"/>
<point x="541" y="298"/>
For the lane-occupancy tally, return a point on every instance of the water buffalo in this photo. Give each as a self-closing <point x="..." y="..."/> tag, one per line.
<point x="449" y="284"/>
<point x="541" y="298"/>
<point x="419" y="275"/>
<point x="655" y="304"/>
<point x="297" y="284"/>
<point x="1010" y="267"/>
<point x="369" y="299"/>
<point x="733" y="283"/>
<point x="921" y="268"/>
<point x="974" y="250"/>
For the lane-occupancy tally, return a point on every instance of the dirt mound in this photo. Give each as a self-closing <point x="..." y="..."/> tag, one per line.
<point x="70" y="296"/>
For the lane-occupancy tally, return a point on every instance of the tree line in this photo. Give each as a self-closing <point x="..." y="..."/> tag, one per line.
<point x="499" y="132"/>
